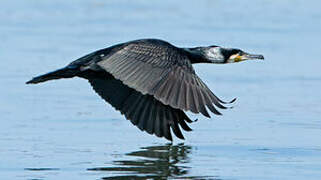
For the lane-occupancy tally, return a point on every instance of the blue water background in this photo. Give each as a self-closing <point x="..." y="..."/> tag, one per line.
<point x="63" y="130"/>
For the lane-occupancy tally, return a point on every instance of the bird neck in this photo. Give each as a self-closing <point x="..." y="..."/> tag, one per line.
<point x="196" y="55"/>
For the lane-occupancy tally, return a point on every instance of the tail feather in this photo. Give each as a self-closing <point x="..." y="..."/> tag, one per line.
<point x="58" y="74"/>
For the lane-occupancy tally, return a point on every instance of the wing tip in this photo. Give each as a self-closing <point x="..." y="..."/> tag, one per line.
<point x="233" y="100"/>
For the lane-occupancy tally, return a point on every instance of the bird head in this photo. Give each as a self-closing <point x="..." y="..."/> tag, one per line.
<point x="217" y="54"/>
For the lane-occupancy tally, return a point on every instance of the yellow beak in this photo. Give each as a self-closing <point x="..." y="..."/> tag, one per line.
<point x="246" y="56"/>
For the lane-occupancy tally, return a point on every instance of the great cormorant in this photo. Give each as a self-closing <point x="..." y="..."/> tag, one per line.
<point x="152" y="82"/>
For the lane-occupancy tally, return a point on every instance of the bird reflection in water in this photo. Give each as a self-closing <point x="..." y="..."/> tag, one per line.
<point x="154" y="162"/>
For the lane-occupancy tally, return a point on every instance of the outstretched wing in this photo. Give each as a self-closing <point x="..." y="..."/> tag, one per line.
<point x="163" y="71"/>
<point x="144" y="111"/>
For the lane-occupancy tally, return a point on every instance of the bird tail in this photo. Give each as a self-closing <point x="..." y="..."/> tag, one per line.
<point x="66" y="72"/>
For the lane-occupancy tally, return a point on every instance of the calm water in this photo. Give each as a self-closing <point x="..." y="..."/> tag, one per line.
<point x="63" y="130"/>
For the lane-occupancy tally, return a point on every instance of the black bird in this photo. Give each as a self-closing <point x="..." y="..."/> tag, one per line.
<point x="152" y="82"/>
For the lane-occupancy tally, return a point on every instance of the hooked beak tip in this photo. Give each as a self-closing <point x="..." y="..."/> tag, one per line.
<point x="261" y="57"/>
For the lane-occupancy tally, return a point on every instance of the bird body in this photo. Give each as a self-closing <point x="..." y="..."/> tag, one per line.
<point x="151" y="81"/>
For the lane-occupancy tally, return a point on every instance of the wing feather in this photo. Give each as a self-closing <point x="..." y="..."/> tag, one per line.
<point x="209" y="104"/>
<point x="202" y="104"/>
<point x="151" y="117"/>
<point x="191" y="98"/>
<point x="144" y="111"/>
<point x="143" y="117"/>
<point x="158" y="124"/>
<point x="138" y="110"/>
<point x="166" y="126"/>
<point x="161" y="70"/>
<point x="175" y="127"/>
<point x="184" y="125"/>
<point x="181" y="102"/>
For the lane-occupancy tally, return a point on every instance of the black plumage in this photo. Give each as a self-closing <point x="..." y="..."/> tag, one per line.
<point x="150" y="81"/>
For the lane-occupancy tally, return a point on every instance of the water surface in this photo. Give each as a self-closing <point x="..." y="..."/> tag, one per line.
<point x="63" y="130"/>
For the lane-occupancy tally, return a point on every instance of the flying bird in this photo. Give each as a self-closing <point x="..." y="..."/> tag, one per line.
<point x="152" y="82"/>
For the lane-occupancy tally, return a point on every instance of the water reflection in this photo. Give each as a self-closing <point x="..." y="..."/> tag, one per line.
<point x="154" y="162"/>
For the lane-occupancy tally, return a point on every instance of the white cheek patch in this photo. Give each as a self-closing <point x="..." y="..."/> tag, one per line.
<point x="232" y="58"/>
<point x="215" y="54"/>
